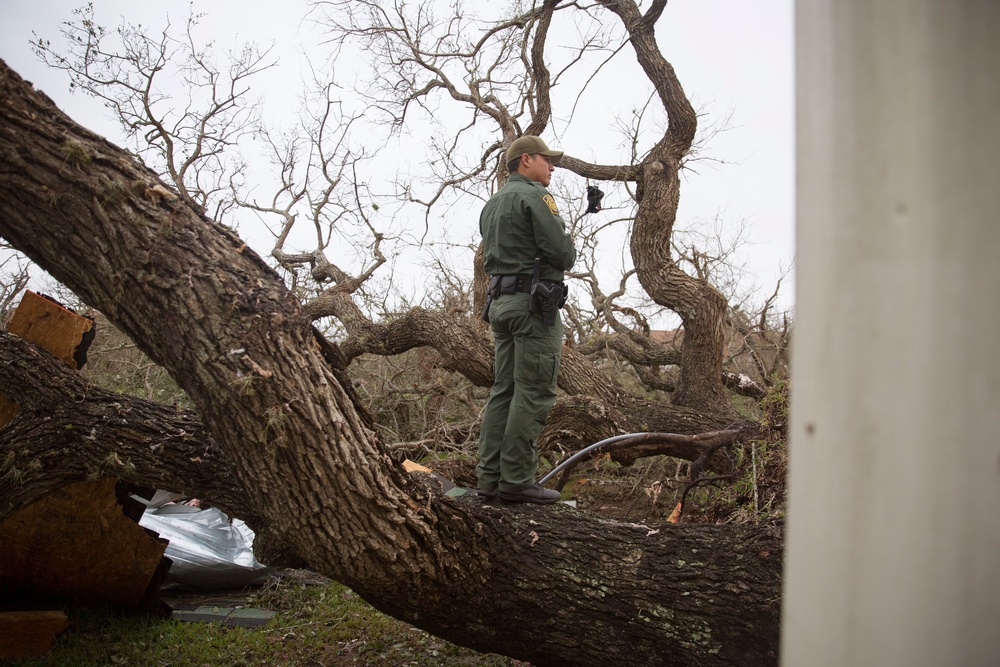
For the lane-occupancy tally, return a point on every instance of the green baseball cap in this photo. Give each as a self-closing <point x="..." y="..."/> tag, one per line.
<point x="530" y="145"/>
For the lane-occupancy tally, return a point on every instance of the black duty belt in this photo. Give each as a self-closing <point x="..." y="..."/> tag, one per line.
<point x="520" y="284"/>
<point x="513" y="284"/>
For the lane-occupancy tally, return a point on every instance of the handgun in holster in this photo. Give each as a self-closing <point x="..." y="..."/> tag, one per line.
<point x="548" y="296"/>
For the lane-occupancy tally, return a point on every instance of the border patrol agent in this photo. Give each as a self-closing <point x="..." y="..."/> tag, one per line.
<point x="527" y="249"/>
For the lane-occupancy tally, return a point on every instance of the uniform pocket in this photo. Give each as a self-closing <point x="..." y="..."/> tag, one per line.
<point x="538" y="369"/>
<point x="536" y="362"/>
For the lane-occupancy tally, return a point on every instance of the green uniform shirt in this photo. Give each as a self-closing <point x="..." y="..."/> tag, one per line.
<point x="521" y="222"/>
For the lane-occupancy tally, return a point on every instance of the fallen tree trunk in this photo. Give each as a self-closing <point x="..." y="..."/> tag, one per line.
<point x="69" y="430"/>
<point x="549" y="585"/>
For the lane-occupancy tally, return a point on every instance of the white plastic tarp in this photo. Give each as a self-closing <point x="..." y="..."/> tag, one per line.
<point x="209" y="551"/>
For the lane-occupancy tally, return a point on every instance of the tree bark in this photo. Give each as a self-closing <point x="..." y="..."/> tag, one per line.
<point x="702" y="308"/>
<point x="550" y="585"/>
<point x="75" y="431"/>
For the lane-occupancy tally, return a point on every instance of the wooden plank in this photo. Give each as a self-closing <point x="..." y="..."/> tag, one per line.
<point x="77" y="543"/>
<point x="29" y="634"/>
<point x="46" y="323"/>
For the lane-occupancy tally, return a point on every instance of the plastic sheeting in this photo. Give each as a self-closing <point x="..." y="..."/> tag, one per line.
<point x="209" y="551"/>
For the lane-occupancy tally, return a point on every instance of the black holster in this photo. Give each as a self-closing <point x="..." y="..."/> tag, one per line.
<point x="548" y="297"/>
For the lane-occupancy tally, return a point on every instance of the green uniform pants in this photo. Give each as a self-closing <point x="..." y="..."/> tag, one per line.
<point x="524" y="390"/>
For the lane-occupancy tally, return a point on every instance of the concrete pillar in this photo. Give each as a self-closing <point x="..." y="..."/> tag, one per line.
<point x="893" y="543"/>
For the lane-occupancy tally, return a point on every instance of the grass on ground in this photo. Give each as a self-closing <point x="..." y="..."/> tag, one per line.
<point x="324" y="624"/>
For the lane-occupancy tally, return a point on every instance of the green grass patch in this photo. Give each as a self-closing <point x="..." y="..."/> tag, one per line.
<point x="315" y="625"/>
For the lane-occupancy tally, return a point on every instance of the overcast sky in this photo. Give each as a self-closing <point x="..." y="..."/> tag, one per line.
<point x="732" y="57"/>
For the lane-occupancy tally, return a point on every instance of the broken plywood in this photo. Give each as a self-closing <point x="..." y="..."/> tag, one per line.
<point x="50" y="325"/>
<point x="77" y="543"/>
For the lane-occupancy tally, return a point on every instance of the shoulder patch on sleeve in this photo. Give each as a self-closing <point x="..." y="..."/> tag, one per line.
<point x="551" y="203"/>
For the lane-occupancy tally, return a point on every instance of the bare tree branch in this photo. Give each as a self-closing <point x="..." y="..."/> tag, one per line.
<point x="189" y="139"/>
